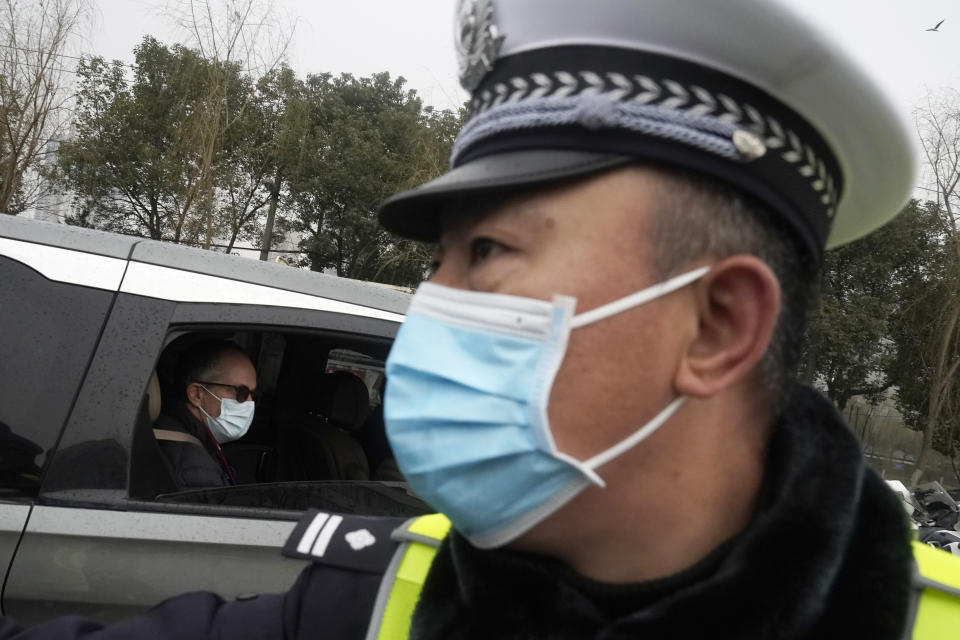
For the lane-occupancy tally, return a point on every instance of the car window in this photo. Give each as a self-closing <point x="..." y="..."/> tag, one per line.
<point x="44" y="352"/>
<point x="317" y="437"/>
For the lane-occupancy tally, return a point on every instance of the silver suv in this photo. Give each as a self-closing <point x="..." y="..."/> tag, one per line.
<point x="91" y="521"/>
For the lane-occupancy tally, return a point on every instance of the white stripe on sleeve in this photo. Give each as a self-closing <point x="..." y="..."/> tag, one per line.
<point x="325" y="535"/>
<point x="311" y="533"/>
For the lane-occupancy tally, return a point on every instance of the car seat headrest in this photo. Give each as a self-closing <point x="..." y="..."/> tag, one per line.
<point x="343" y="399"/>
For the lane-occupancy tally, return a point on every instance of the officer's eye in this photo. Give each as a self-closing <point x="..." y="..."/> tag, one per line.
<point x="483" y="248"/>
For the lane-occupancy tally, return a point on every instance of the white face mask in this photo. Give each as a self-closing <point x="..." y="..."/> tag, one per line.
<point x="234" y="420"/>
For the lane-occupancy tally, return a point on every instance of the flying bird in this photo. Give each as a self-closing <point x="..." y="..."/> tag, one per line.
<point x="937" y="28"/>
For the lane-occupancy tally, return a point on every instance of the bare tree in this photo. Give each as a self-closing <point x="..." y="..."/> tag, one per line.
<point x="248" y="33"/>
<point x="245" y="36"/>
<point x="938" y="126"/>
<point x="34" y="92"/>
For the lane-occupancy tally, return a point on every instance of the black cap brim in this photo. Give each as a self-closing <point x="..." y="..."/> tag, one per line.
<point x="416" y="213"/>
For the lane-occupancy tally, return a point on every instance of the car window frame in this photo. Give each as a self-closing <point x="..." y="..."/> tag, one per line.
<point x="149" y="323"/>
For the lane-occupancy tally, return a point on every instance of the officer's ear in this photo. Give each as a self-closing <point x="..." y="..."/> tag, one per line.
<point x="737" y="303"/>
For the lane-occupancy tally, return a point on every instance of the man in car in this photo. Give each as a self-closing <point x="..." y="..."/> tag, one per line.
<point x="215" y="381"/>
<point x="595" y="387"/>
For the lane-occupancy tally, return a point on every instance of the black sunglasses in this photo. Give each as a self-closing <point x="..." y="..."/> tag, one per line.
<point x="241" y="391"/>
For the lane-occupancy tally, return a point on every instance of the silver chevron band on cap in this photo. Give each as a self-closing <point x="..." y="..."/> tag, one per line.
<point x="710" y="134"/>
<point x="682" y="112"/>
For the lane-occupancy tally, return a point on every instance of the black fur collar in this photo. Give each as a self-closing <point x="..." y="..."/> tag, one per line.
<point x="826" y="556"/>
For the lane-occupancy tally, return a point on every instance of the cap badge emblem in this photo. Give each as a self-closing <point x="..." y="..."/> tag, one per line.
<point x="477" y="41"/>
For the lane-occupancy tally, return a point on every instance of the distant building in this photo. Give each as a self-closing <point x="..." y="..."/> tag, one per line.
<point x="290" y="240"/>
<point x="51" y="206"/>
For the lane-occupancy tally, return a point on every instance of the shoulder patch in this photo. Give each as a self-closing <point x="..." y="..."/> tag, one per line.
<point x="359" y="543"/>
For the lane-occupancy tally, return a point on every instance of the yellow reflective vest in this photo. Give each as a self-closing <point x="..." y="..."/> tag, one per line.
<point x="934" y="609"/>
<point x="404" y="578"/>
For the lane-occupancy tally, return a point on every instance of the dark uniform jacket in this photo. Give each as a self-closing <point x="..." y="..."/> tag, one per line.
<point x="826" y="556"/>
<point x="193" y="466"/>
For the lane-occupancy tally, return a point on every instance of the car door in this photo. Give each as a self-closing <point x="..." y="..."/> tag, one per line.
<point x="54" y="301"/>
<point x="91" y="549"/>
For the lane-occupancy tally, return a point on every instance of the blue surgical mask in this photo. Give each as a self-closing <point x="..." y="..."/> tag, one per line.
<point x="468" y="382"/>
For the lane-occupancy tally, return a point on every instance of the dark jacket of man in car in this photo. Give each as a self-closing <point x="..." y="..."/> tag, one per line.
<point x="181" y="438"/>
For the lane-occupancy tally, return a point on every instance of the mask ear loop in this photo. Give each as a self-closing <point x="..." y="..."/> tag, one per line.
<point x="214" y="395"/>
<point x="613" y="308"/>
<point x="634" y="439"/>
<point x="638" y="298"/>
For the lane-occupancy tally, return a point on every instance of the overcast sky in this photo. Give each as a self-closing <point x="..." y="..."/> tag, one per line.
<point x="413" y="38"/>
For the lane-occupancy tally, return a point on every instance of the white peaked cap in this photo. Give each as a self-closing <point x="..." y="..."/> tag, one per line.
<point x="746" y="92"/>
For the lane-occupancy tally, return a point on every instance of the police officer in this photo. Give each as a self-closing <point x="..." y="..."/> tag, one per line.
<point x="594" y="387"/>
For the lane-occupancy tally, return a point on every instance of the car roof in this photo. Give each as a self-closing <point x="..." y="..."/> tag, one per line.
<point x="67" y="236"/>
<point x="202" y="261"/>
